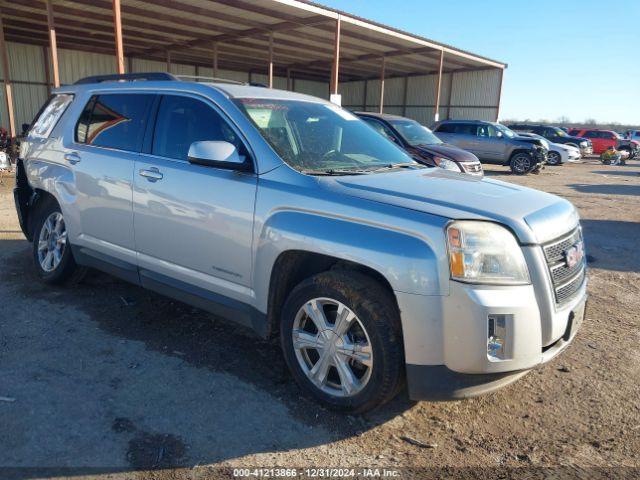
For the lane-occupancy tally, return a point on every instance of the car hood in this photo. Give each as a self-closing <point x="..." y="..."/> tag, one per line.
<point x="535" y="217"/>
<point x="535" y="141"/>
<point x="448" y="151"/>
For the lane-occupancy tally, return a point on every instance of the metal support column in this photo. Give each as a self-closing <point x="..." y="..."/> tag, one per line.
<point x="53" y="45"/>
<point x="215" y="59"/>
<point x="335" y="68"/>
<point x="382" y="74"/>
<point x="6" y="74"/>
<point x="436" y="116"/>
<point x="117" y="25"/>
<point x="271" y="60"/>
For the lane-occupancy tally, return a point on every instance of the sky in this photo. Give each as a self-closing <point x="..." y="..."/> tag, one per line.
<point x="567" y="58"/>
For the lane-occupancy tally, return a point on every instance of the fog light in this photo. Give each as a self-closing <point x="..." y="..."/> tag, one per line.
<point x="497" y="337"/>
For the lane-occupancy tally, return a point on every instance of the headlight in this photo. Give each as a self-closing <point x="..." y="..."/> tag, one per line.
<point x="584" y="144"/>
<point x="483" y="252"/>
<point x="446" y="164"/>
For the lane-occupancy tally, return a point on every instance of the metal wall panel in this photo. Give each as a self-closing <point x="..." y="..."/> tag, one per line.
<point x="352" y="94"/>
<point x="26" y="64"/>
<point x="75" y="65"/>
<point x="480" y="88"/>
<point x="467" y="113"/>
<point x="279" y="83"/>
<point x="312" y="87"/>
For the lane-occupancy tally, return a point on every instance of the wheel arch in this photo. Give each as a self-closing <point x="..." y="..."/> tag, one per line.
<point x="294" y="266"/>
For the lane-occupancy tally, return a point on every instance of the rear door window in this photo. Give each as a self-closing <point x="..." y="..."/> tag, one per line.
<point x="50" y="115"/>
<point x="115" y="121"/>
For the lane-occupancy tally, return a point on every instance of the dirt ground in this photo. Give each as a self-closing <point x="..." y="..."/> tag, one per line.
<point x="105" y="378"/>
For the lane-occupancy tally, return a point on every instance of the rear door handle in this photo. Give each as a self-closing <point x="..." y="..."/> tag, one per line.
<point x="153" y="174"/>
<point x="72" y="158"/>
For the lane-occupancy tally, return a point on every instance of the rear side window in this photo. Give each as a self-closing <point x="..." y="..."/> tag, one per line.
<point x="459" y="128"/>
<point x="50" y="115"/>
<point x="116" y="121"/>
<point x="182" y="121"/>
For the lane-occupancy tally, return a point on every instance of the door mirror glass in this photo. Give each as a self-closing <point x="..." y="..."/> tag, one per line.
<point x="216" y="154"/>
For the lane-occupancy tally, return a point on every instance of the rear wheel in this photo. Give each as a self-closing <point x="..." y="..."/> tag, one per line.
<point x="52" y="255"/>
<point x="341" y="337"/>
<point x="521" y="163"/>
<point x="554" y="158"/>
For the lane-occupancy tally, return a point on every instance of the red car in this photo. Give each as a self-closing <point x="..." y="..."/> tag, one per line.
<point x="603" y="139"/>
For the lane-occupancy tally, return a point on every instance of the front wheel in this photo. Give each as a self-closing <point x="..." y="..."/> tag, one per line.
<point x="341" y="337"/>
<point x="521" y="163"/>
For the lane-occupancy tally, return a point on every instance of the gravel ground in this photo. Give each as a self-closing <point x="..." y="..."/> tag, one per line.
<point x="105" y="378"/>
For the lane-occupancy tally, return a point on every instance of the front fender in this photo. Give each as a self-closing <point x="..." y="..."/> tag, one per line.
<point x="409" y="263"/>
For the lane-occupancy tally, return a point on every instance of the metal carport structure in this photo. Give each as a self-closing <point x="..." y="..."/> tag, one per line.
<point x="290" y="44"/>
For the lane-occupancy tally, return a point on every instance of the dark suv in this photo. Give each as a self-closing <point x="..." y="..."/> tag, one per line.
<point x="422" y="144"/>
<point x="494" y="143"/>
<point x="555" y="135"/>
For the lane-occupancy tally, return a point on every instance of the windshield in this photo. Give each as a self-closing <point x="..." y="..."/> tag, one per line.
<point x="319" y="138"/>
<point x="414" y="133"/>
<point x="507" y="132"/>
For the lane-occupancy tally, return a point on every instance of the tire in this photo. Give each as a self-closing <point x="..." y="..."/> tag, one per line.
<point x="49" y="237"/>
<point x="521" y="163"/>
<point x="554" y="159"/>
<point x="373" y="334"/>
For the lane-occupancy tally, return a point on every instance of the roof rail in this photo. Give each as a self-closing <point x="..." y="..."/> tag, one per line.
<point x="210" y="79"/>
<point x="128" y="77"/>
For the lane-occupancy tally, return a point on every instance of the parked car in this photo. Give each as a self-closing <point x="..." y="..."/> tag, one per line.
<point x="289" y="215"/>
<point x="422" y="144"/>
<point x="558" y="153"/>
<point x="632" y="135"/>
<point x="555" y="135"/>
<point x="603" y="139"/>
<point x="494" y="143"/>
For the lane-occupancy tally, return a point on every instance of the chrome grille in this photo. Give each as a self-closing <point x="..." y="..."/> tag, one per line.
<point x="473" y="168"/>
<point x="566" y="280"/>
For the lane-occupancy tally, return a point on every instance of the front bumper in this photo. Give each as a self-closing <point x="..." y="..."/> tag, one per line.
<point x="441" y="382"/>
<point x="446" y="336"/>
<point x="588" y="150"/>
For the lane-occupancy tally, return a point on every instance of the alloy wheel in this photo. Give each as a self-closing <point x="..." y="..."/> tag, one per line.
<point x="332" y="347"/>
<point x="52" y="242"/>
<point x="553" y="158"/>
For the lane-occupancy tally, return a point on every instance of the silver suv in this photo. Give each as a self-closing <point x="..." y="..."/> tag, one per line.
<point x="289" y="215"/>
<point x="494" y="143"/>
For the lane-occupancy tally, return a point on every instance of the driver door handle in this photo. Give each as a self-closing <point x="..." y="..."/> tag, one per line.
<point x="152" y="174"/>
<point x="72" y="157"/>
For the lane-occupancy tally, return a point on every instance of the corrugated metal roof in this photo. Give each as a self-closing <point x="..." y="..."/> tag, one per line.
<point x="303" y="36"/>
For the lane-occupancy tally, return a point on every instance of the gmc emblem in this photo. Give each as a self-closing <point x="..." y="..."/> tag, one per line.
<point x="574" y="255"/>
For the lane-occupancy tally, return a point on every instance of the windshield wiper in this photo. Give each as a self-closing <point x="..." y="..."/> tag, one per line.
<point x="391" y="166"/>
<point x="335" y="172"/>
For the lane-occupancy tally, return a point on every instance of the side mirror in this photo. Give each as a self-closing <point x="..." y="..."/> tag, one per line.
<point x="216" y="154"/>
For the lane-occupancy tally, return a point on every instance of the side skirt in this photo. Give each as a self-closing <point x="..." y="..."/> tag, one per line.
<point x="217" y="304"/>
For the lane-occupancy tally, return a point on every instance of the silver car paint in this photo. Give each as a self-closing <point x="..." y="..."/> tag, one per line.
<point x="226" y="239"/>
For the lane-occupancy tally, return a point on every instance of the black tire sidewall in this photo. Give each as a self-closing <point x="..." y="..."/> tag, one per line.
<point x="67" y="266"/>
<point x="386" y="345"/>
<point x="520" y="172"/>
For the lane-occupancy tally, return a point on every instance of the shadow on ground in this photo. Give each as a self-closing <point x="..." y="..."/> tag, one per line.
<point x="606" y="189"/>
<point x="608" y="243"/>
<point x="108" y="374"/>
<point x="620" y="173"/>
